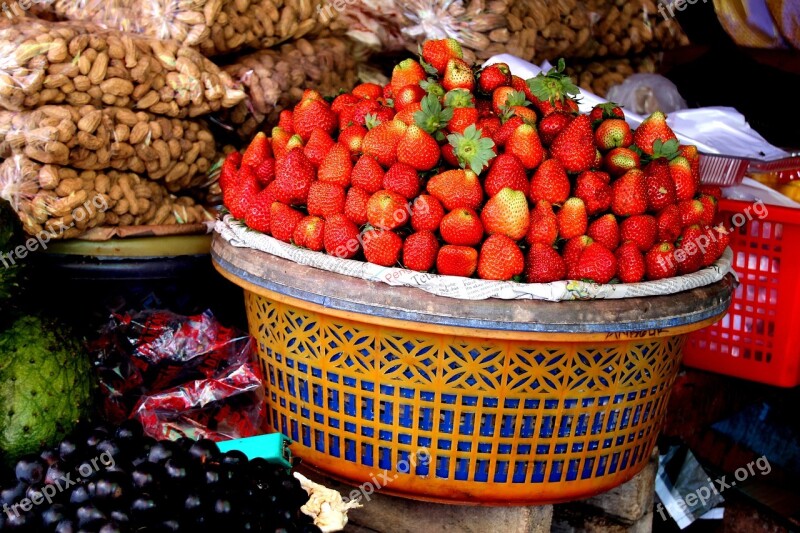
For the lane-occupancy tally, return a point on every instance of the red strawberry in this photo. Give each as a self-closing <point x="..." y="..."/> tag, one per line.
<point x="572" y="219"/>
<point x="407" y="72"/>
<point x="337" y="167"/>
<point x="605" y="231"/>
<point x="596" y="263"/>
<point x="719" y="238"/>
<point x="654" y="128"/>
<point x="593" y="188"/>
<point x="406" y="116"/>
<point x="685" y="184"/>
<point x="629" y="194"/>
<point x="669" y="224"/>
<point x="502" y="135"/>
<point x="408" y="95"/>
<point x="688" y="255"/>
<point x="426" y="213"/>
<point x="484" y="108"/>
<point x="463" y="117"/>
<point x="574" y="146"/>
<point x="387" y="210"/>
<point x="325" y="199"/>
<point x="553" y="91"/>
<point x="280" y="138"/>
<point x="371" y="91"/>
<point x="630" y="263"/>
<point x="364" y="108"/>
<point x="341" y="237"/>
<point x="659" y="185"/>
<point x="503" y="98"/>
<point x="367" y="174"/>
<point x="347" y="117"/>
<point x="311" y="94"/>
<point x="295" y="141"/>
<point x="572" y="251"/>
<point x="524" y="143"/>
<point x="552" y="125"/>
<point x="257" y="151"/>
<point x="544" y="224"/>
<point x="711" y="190"/>
<point x="293" y="176"/>
<point x="709" y="209"/>
<point x="259" y="210"/>
<point x="507" y="214"/>
<point x="461" y="227"/>
<point x="500" y="259"/>
<point x="310" y="114"/>
<point x="449" y="155"/>
<point x="620" y="160"/>
<point x="381" y="141"/>
<point x="353" y="137"/>
<point x="457" y="261"/>
<point x="613" y="133"/>
<point x="355" y="205"/>
<point x="489" y="126"/>
<point x="527" y="114"/>
<point x="493" y="76"/>
<point x="458" y="75"/>
<point x="550" y="182"/>
<point x="286" y="121"/>
<point x="641" y="229"/>
<point x="238" y="195"/>
<point x="229" y="173"/>
<point x="283" y="221"/>
<point x="544" y="265"/>
<point x="309" y="233"/>
<point x="420" y="250"/>
<point x="265" y="172"/>
<point x="692" y="154"/>
<point x="505" y="171"/>
<point x="382" y="247"/>
<point x="418" y="149"/>
<point x="343" y="101"/>
<point x="457" y="188"/>
<point x="660" y="261"/>
<point x="604" y="111"/>
<point x="438" y="52"/>
<point x="691" y="212"/>
<point x="402" y="179"/>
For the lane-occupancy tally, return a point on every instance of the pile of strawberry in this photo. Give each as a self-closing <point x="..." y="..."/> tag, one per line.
<point x="476" y="171"/>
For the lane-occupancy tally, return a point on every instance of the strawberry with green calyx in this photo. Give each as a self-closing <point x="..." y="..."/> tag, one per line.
<point x="355" y="205"/>
<point x="574" y="146"/>
<point x="550" y="182"/>
<point x="325" y="199"/>
<point x="506" y="213"/>
<point x="620" y="160"/>
<point x="459" y="98"/>
<point x="613" y="133"/>
<point x="403" y="179"/>
<point x="504" y="98"/>
<point x="432" y="118"/>
<point x="596" y="264"/>
<point x="461" y="227"/>
<point x="381" y="247"/>
<point x="341" y="237"/>
<point x="387" y="210"/>
<point x="457" y="188"/>
<point x="337" y="167"/>
<point x="438" y="52"/>
<point x="605" y="111"/>
<point x="640" y="229"/>
<point x="432" y="88"/>
<point x="418" y="149"/>
<point x="295" y="141"/>
<point x="654" y="128"/>
<point x="630" y="263"/>
<point x="505" y="171"/>
<point x="525" y="144"/>
<point x="318" y="146"/>
<point x="472" y="149"/>
<point x="310" y="233"/>
<point x="553" y="90"/>
<point x="408" y="95"/>
<point x="605" y="230"/>
<point x="544" y="224"/>
<point x="492" y="77"/>
<point x="500" y="259"/>
<point x="283" y="221"/>
<point x="458" y="75"/>
<point x="572" y="219"/>
<point x="455" y="260"/>
<point x="464" y="113"/>
<point x="544" y="265"/>
<point x="407" y="72"/>
<point x="426" y="213"/>
<point x="660" y="261"/>
<point x="420" y="250"/>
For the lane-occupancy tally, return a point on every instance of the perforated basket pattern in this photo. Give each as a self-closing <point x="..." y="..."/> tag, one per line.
<point x="502" y="421"/>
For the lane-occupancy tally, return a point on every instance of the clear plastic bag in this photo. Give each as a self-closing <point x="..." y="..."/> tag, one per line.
<point x="180" y="375"/>
<point x="174" y="151"/>
<point x="645" y="93"/>
<point x="78" y="63"/>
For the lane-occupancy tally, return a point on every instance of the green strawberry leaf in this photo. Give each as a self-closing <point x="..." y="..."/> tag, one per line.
<point x="471" y="149"/>
<point x="431" y="87"/>
<point x="432" y="117"/>
<point x="371" y="120"/>
<point x="459" y="98"/>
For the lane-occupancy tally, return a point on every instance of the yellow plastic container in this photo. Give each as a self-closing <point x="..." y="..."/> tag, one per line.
<point x="451" y="408"/>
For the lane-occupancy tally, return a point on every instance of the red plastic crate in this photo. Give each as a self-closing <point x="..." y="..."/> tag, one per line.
<point x="759" y="338"/>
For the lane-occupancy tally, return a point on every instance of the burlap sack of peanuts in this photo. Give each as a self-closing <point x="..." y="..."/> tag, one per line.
<point x="174" y="151"/>
<point x="275" y="79"/>
<point x="65" y="202"/>
<point x="76" y="63"/>
<point x="599" y="76"/>
<point x="214" y="26"/>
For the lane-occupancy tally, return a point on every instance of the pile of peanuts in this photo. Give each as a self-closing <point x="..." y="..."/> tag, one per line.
<point x="66" y="202"/>
<point x="275" y="79"/>
<point x="79" y="64"/>
<point x="215" y="27"/>
<point x="177" y="152"/>
<point x="599" y="76"/>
